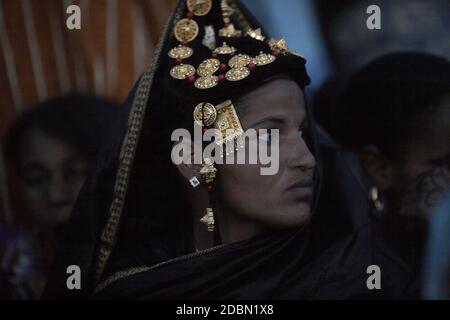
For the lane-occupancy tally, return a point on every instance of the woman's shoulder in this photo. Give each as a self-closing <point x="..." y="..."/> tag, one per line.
<point x="364" y="265"/>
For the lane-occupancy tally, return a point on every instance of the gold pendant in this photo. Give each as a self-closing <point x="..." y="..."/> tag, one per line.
<point x="186" y="30"/>
<point x="199" y="7"/>
<point x="227" y="122"/>
<point x="227" y="10"/>
<point x="205" y="114"/>
<point x="229" y="32"/>
<point x="206" y="82"/>
<point x="263" y="59"/>
<point x="256" y="34"/>
<point x="208" y="219"/>
<point x="279" y="45"/>
<point x="181" y="52"/>
<point x="208" y="67"/>
<point x="237" y="74"/>
<point x="241" y="60"/>
<point x="225" y="49"/>
<point x="182" y="71"/>
<point x="208" y="172"/>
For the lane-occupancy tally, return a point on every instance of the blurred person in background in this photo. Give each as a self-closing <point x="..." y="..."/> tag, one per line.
<point x="412" y="25"/>
<point x="437" y="260"/>
<point x="52" y="148"/>
<point x="394" y="113"/>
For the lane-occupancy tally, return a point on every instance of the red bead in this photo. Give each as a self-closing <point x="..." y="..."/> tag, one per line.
<point x="252" y="66"/>
<point x="189" y="15"/>
<point x="223" y="67"/>
<point x="191" y="79"/>
<point x="210" y="188"/>
<point x="184" y="43"/>
<point x="221" y="77"/>
<point x="214" y="55"/>
<point x="179" y="61"/>
<point x="226" y="24"/>
<point x="205" y="130"/>
<point x="276" y="53"/>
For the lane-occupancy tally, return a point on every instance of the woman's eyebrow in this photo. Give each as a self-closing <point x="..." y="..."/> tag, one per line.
<point x="274" y="119"/>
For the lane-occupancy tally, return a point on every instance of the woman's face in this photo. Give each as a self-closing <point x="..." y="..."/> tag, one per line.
<point x="52" y="173"/>
<point x="279" y="200"/>
<point x="421" y="177"/>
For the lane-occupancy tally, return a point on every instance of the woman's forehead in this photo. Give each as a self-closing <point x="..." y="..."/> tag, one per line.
<point x="282" y="97"/>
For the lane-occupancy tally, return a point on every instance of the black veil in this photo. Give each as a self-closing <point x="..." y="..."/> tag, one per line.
<point x="131" y="232"/>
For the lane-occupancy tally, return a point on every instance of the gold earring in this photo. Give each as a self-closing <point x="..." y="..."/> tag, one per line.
<point x="376" y="199"/>
<point x="208" y="174"/>
<point x="208" y="219"/>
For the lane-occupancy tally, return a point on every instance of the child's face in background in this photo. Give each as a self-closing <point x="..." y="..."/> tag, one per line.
<point x="52" y="174"/>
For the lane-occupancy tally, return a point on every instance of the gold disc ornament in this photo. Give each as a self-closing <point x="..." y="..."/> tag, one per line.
<point x="263" y="59"/>
<point x="205" y="114"/>
<point x="182" y="71"/>
<point x="241" y="60"/>
<point x="237" y="74"/>
<point x="181" y="52"/>
<point x="206" y="82"/>
<point x="208" y="67"/>
<point x="186" y="30"/>
<point x="225" y="49"/>
<point x="199" y="7"/>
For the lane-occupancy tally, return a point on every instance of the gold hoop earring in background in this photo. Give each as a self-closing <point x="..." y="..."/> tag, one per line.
<point x="376" y="199"/>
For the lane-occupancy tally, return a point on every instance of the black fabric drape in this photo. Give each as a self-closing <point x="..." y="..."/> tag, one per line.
<point x="291" y="264"/>
<point x="285" y="265"/>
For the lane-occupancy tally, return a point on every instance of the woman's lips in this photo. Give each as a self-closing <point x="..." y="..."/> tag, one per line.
<point x="303" y="193"/>
<point x="302" y="189"/>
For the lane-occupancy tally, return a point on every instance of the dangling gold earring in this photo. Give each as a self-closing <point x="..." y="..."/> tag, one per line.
<point x="208" y="219"/>
<point x="376" y="199"/>
<point x="208" y="174"/>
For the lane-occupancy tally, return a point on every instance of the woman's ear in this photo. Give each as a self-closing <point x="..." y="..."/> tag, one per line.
<point x="187" y="168"/>
<point x="377" y="166"/>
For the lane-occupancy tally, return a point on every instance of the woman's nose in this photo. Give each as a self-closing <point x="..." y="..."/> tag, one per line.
<point x="301" y="155"/>
<point x="57" y="191"/>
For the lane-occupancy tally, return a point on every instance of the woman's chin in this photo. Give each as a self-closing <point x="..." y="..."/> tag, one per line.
<point x="296" y="215"/>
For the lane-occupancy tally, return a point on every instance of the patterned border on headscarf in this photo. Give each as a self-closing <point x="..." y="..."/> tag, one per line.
<point x="128" y="150"/>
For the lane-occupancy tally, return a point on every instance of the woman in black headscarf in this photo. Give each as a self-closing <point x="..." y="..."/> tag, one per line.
<point x="257" y="241"/>
<point x="400" y="106"/>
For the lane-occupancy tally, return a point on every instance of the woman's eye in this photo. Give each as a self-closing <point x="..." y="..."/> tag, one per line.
<point x="36" y="179"/>
<point x="266" y="137"/>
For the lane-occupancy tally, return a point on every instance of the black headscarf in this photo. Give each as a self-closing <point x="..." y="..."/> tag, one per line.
<point x="152" y="254"/>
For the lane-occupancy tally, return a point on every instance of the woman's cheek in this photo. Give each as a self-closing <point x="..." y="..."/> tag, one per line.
<point x="426" y="193"/>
